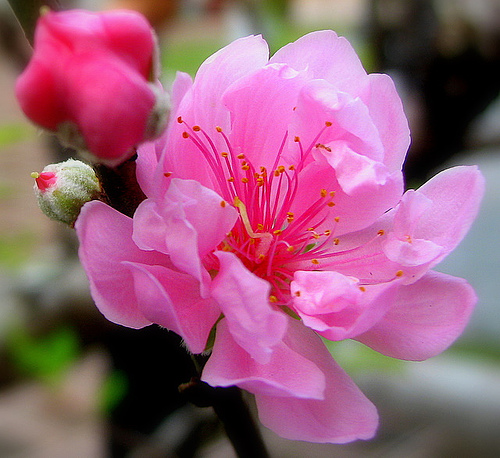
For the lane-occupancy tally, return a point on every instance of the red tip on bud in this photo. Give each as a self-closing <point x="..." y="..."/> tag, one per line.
<point x="44" y="180"/>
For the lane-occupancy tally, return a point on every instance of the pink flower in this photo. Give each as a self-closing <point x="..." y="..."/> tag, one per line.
<point x="276" y="213"/>
<point x="92" y="81"/>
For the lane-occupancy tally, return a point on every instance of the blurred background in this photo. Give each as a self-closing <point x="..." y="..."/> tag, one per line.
<point x="74" y="385"/>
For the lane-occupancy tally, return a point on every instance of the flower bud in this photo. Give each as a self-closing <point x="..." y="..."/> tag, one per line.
<point x="62" y="189"/>
<point x="93" y="81"/>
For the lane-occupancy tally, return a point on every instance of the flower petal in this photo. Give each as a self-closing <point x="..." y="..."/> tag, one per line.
<point x="105" y="242"/>
<point x="189" y="223"/>
<point x="287" y="373"/>
<point x="335" y="306"/>
<point x="386" y="111"/>
<point x="351" y="212"/>
<point x="325" y="56"/>
<point x="261" y="105"/>
<point x="430" y="315"/>
<point x="172" y="299"/>
<point x="202" y="106"/>
<point x="344" y="415"/>
<point x="456" y="194"/>
<point x="244" y="300"/>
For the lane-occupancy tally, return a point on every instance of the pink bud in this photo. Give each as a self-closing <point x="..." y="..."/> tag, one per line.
<point x="92" y="80"/>
<point x="44" y="180"/>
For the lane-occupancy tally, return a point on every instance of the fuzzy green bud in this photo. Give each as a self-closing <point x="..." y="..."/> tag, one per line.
<point x="62" y="189"/>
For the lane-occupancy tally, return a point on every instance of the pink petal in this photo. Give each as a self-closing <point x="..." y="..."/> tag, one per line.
<point x="430" y="315"/>
<point x="219" y="71"/>
<point x="37" y="91"/>
<point x="386" y="112"/>
<point x="172" y="299"/>
<point x="325" y="56"/>
<point x="108" y="134"/>
<point x="244" y="300"/>
<point x="146" y="168"/>
<point x="344" y="415"/>
<point x="355" y="171"/>
<point x="187" y="225"/>
<point x="105" y="242"/>
<point x="456" y="194"/>
<point x="320" y="102"/>
<point x="351" y="212"/>
<point x="335" y="306"/>
<point x="202" y="105"/>
<point x="411" y="253"/>
<point x="287" y="373"/>
<point x="261" y="105"/>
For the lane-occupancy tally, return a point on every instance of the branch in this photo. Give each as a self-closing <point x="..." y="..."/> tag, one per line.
<point x="233" y="412"/>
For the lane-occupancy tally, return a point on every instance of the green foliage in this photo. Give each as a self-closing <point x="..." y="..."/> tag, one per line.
<point x="16" y="248"/>
<point x="44" y="358"/>
<point x="13" y="133"/>
<point x="112" y="391"/>
<point x="187" y="56"/>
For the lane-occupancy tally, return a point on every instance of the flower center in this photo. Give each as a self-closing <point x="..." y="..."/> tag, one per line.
<point x="268" y="237"/>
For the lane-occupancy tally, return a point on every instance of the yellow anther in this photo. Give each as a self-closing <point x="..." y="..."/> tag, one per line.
<point x="381" y="232"/>
<point x="328" y="123"/>
<point x="336" y="241"/>
<point x="222" y="203"/>
<point x="260" y="227"/>
<point x="185" y="135"/>
<point x="196" y="128"/>
<point x="245" y="167"/>
<point x="399" y="273"/>
<point x="218" y="129"/>
<point x="34" y="175"/>
<point x="261" y="257"/>
<point x="277" y="232"/>
<point x="281" y="169"/>
<point x="244" y="180"/>
<point x="323" y="193"/>
<point x="328" y="232"/>
<point x="290" y="248"/>
<point x="337" y="219"/>
<point x="273" y="298"/>
<point x="241" y="156"/>
<point x="314" y="261"/>
<point x="297" y="293"/>
<point x="296" y="139"/>
<point x="224" y="154"/>
<point x="331" y="204"/>
<point x="332" y="193"/>
<point x="276" y="173"/>
<point x="291" y="167"/>
<point x="362" y="288"/>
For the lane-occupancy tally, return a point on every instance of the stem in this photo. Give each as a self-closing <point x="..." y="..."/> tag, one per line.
<point x="28" y="11"/>
<point x="233" y="412"/>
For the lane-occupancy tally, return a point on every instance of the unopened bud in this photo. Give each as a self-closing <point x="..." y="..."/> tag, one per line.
<point x="62" y="189"/>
